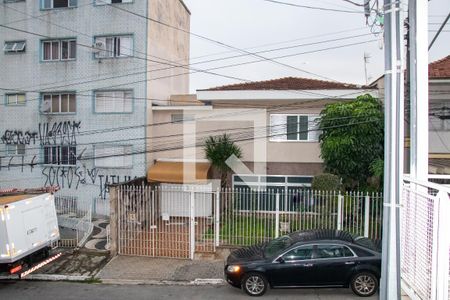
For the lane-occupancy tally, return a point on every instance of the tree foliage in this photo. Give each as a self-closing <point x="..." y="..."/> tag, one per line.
<point x="352" y="139"/>
<point x="217" y="150"/>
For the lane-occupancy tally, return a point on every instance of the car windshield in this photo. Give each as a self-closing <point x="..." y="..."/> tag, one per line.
<point x="277" y="245"/>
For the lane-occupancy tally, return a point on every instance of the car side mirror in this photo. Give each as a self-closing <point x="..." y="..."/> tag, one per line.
<point x="280" y="260"/>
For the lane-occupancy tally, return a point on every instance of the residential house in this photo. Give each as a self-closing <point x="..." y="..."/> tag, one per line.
<point x="273" y="121"/>
<point x="79" y="79"/>
<point x="439" y="117"/>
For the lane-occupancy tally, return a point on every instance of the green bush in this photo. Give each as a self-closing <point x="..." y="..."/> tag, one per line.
<point x="326" y="182"/>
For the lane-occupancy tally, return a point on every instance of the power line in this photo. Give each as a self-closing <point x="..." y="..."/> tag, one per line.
<point x="201" y="62"/>
<point x="313" y="7"/>
<point x="439" y="31"/>
<point x="278" y="126"/>
<point x="196" y="145"/>
<point x="220" y="67"/>
<point x="202" y="37"/>
<point x="357" y="4"/>
<point x="248" y="53"/>
<point x="273" y="108"/>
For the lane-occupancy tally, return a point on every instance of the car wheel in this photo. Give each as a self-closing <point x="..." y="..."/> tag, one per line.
<point x="364" y="284"/>
<point x="254" y="284"/>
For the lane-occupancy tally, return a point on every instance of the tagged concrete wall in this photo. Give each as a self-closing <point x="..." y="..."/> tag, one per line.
<point x="85" y="129"/>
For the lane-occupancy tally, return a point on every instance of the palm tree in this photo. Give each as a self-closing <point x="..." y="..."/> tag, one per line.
<point x="217" y="150"/>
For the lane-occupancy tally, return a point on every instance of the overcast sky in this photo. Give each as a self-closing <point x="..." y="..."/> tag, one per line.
<point x="258" y="25"/>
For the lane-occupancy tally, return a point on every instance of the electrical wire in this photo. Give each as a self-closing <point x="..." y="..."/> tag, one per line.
<point x="196" y="145"/>
<point x="313" y="7"/>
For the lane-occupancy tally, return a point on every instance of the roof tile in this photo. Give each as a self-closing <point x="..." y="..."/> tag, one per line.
<point x="440" y="68"/>
<point x="288" y="83"/>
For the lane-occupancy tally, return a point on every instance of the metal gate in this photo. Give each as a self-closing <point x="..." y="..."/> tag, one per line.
<point x="173" y="221"/>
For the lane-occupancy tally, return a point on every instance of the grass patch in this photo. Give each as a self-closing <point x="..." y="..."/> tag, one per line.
<point x="92" y="280"/>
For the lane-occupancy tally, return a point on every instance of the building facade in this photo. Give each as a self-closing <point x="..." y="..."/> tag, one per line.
<point x="274" y="123"/>
<point x="78" y="82"/>
<point x="439" y="118"/>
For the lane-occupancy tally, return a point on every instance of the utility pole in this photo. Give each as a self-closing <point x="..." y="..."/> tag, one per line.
<point x="393" y="149"/>
<point x="418" y="70"/>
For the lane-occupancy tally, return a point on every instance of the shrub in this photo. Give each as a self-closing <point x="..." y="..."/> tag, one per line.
<point x="326" y="182"/>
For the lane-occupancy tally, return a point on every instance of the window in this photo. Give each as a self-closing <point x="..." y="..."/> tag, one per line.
<point x="300" y="253"/>
<point x="104" y="2"/>
<point x="113" y="101"/>
<point x="59" y="50"/>
<point x="15" y="99"/>
<point x="18" y="149"/>
<point x="113" y="156"/>
<point x="60" y="155"/>
<point x="54" y="103"/>
<point x="178" y="118"/>
<point x="114" y="46"/>
<point x="50" y="4"/>
<point x="294" y="127"/>
<point x="14" y="47"/>
<point x="333" y="251"/>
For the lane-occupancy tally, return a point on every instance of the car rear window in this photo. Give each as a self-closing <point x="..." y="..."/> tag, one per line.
<point x="332" y="251"/>
<point x="361" y="252"/>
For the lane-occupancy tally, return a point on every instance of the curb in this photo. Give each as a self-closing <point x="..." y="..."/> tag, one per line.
<point x="48" y="277"/>
<point x="81" y="278"/>
<point x="196" y="282"/>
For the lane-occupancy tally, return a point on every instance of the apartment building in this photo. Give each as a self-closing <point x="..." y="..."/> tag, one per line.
<point x="79" y="80"/>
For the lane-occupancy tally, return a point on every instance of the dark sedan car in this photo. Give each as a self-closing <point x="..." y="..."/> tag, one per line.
<point x="314" y="258"/>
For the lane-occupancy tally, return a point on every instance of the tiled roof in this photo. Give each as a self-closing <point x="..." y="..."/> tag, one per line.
<point x="440" y="68"/>
<point x="288" y="83"/>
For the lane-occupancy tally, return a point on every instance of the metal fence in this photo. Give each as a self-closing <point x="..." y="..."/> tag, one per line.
<point x="425" y="240"/>
<point x="165" y="222"/>
<point x="254" y="216"/>
<point x="76" y="215"/>
<point x="177" y="221"/>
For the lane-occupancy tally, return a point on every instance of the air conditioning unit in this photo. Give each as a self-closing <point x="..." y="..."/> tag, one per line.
<point x="98" y="46"/>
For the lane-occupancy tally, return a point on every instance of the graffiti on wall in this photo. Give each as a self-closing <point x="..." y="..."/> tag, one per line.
<point x="50" y="133"/>
<point x="59" y="133"/>
<point x="67" y="177"/>
<point x="18" y="137"/>
<point x="76" y="176"/>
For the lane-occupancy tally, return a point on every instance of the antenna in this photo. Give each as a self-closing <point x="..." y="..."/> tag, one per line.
<point x="366" y="61"/>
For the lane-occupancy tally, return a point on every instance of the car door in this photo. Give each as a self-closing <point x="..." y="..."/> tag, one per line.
<point x="292" y="268"/>
<point x="333" y="264"/>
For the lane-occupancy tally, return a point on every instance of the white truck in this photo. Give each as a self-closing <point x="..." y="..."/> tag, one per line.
<point x="28" y="229"/>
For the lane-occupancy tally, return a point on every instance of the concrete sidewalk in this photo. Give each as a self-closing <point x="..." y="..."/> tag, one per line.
<point x="141" y="270"/>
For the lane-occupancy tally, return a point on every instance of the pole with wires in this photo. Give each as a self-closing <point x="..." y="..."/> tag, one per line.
<point x="393" y="150"/>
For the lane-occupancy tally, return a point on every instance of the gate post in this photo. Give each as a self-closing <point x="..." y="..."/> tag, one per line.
<point x="114" y="220"/>
<point x="277" y="215"/>
<point x="339" y="211"/>
<point x="192" y="224"/>
<point x="366" y="215"/>
<point x="441" y="243"/>
<point x="217" y="219"/>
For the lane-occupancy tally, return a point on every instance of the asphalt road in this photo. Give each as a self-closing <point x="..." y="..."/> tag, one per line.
<point x="33" y="290"/>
